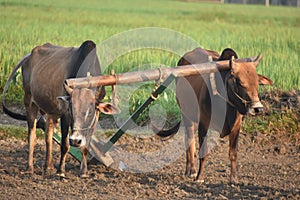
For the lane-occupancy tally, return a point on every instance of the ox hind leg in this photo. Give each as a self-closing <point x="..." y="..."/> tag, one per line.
<point x="203" y="152"/>
<point x="64" y="145"/>
<point x="31" y="112"/>
<point x="190" y="149"/>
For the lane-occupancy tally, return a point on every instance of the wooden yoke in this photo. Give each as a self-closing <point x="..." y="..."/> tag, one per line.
<point x="154" y="74"/>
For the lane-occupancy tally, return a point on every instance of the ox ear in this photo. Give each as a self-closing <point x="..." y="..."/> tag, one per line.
<point x="232" y="64"/>
<point x="108" y="108"/>
<point x="264" y="80"/>
<point x="64" y="102"/>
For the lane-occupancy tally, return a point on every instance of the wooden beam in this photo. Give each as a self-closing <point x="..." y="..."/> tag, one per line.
<point x="150" y="75"/>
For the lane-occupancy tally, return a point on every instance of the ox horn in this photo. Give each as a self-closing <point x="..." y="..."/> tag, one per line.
<point x="68" y="89"/>
<point x="257" y="59"/>
<point x="231" y="62"/>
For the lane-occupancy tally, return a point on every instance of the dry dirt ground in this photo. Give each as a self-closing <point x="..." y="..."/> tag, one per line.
<point x="147" y="168"/>
<point x="270" y="171"/>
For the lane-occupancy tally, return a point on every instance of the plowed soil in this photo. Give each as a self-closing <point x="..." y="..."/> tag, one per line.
<point x="269" y="168"/>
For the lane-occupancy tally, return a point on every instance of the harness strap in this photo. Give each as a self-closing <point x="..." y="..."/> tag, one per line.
<point x="214" y="86"/>
<point x="114" y="96"/>
<point x="91" y="126"/>
<point x="245" y="102"/>
<point x="215" y="90"/>
<point x="157" y="83"/>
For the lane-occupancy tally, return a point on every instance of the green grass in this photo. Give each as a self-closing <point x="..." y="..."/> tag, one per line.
<point x="18" y="132"/>
<point x="251" y="29"/>
<point x="278" y="124"/>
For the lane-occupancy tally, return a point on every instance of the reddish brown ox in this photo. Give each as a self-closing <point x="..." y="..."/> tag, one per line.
<point x="44" y="72"/>
<point x="203" y="109"/>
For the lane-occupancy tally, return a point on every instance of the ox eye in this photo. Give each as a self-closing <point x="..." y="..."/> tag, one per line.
<point x="239" y="82"/>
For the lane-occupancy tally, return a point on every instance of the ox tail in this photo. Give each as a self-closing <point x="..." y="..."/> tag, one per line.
<point x="166" y="133"/>
<point x="5" y="109"/>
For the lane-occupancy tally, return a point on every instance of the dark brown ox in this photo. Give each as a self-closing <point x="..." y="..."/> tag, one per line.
<point x="44" y="72"/>
<point x="221" y="109"/>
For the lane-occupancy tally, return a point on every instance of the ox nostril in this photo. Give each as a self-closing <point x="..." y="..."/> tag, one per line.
<point x="75" y="142"/>
<point x="259" y="110"/>
<point x="78" y="142"/>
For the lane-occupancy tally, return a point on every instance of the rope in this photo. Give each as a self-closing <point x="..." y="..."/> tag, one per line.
<point x="114" y="97"/>
<point x="157" y="83"/>
<point x="216" y="92"/>
<point x="92" y="125"/>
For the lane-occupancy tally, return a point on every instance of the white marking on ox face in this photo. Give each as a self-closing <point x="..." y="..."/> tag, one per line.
<point x="77" y="140"/>
<point x="256" y="108"/>
<point x="84" y="116"/>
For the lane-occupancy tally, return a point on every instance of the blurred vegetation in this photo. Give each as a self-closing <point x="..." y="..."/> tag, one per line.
<point x="249" y="29"/>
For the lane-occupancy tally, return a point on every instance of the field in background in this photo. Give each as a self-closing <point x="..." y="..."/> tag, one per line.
<point x="249" y="29"/>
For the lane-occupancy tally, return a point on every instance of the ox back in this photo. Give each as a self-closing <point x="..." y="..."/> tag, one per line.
<point x="49" y="66"/>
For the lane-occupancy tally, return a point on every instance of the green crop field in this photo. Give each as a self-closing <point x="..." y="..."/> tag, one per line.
<point x="249" y="29"/>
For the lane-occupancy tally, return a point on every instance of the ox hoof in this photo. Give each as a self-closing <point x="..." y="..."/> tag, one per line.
<point x="234" y="182"/>
<point x="49" y="171"/>
<point x="61" y="175"/>
<point x="29" y="170"/>
<point x="193" y="175"/>
<point x="84" y="176"/>
<point x="201" y="180"/>
<point x="49" y="168"/>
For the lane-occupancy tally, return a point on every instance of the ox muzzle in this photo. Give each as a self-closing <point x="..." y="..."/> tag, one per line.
<point x="256" y="108"/>
<point x="77" y="140"/>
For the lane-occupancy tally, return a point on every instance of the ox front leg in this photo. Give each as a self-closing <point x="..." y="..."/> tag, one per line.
<point x="83" y="165"/>
<point x="48" y="140"/>
<point x="64" y="145"/>
<point x="233" y="149"/>
<point x="203" y="153"/>
<point x="190" y="151"/>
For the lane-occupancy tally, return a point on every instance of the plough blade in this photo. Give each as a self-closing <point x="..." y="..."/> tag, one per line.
<point x="93" y="149"/>
<point x="75" y="152"/>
